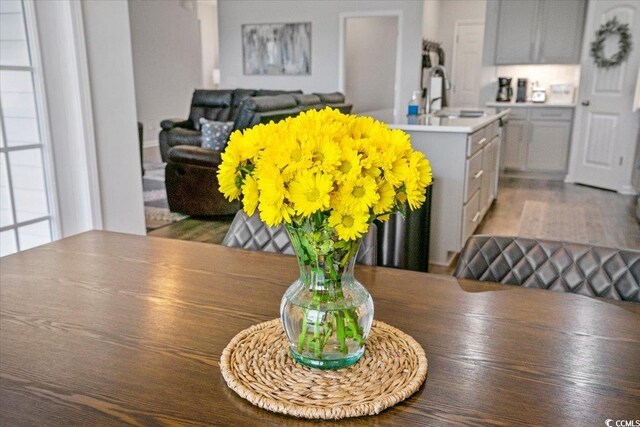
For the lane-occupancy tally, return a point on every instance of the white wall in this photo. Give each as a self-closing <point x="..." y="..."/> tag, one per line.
<point x="108" y="46"/>
<point x="167" y="60"/>
<point x="325" y="19"/>
<point x="370" y="66"/>
<point x="208" y="16"/>
<point x="431" y="19"/>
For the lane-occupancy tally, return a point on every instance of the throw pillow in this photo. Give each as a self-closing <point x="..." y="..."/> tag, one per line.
<point x="215" y="135"/>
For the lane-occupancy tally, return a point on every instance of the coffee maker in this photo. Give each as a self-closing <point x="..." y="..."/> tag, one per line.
<point x="505" y="92"/>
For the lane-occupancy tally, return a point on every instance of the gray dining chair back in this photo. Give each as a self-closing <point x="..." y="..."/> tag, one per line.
<point x="559" y="266"/>
<point x="251" y="233"/>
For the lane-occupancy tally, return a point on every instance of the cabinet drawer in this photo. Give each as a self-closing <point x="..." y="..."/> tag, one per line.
<point x="470" y="217"/>
<point x="551" y="114"/>
<point x="474" y="175"/>
<point x="491" y="131"/>
<point x="476" y="141"/>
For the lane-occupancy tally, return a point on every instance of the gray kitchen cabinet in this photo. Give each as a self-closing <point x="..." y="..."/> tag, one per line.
<point x="488" y="189"/>
<point x="540" y="31"/>
<point x="561" y="28"/>
<point x="537" y="140"/>
<point x="514" y="145"/>
<point x="548" y="146"/>
<point x="517" y="27"/>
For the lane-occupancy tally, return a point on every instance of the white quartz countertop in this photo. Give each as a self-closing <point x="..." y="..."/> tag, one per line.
<point x="441" y="124"/>
<point x="528" y="105"/>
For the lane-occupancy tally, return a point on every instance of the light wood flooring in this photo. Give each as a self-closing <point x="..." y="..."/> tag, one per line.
<point x="567" y="212"/>
<point x="575" y="212"/>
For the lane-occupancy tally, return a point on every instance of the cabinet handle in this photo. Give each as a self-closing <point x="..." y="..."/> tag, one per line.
<point x="482" y="141"/>
<point x="475" y="217"/>
<point x="478" y="175"/>
<point x="586" y="103"/>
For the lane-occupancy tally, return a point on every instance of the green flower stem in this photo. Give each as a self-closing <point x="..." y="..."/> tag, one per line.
<point x="322" y="261"/>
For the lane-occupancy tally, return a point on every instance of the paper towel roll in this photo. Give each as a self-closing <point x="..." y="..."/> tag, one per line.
<point x="436" y="92"/>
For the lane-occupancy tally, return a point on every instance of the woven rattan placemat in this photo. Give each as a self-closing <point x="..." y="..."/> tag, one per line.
<point x="256" y="364"/>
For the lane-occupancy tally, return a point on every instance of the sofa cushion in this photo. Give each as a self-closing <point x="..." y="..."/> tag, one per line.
<point x="331" y="98"/>
<point x="262" y="109"/>
<point x="210" y="104"/>
<point x="308" y="102"/>
<point x="183" y="136"/>
<point x="215" y="135"/>
<point x="272" y="92"/>
<point x="172" y="123"/>
<point x="195" y="156"/>
<point x="239" y="95"/>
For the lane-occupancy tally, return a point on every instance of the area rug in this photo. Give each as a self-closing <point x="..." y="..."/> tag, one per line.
<point x="156" y="207"/>
<point x="571" y="222"/>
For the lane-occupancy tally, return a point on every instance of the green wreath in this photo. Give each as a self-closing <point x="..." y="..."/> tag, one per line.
<point x="612" y="27"/>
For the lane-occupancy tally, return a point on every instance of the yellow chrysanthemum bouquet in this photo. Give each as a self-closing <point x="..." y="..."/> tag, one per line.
<point x="326" y="176"/>
<point x="349" y="170"/>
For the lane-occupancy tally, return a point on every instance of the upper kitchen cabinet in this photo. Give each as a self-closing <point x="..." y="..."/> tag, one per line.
<point x="517" y="29"/>
<point x="540" y="31"/>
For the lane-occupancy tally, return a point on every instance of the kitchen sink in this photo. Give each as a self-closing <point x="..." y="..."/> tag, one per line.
<point x="459" y="113"/>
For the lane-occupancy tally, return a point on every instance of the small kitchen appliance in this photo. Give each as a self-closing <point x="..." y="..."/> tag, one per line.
<point x="538" y="94"/>
<point x="521" y="94"/>
<point x="561" y="94"/>
<point x="505" y="92"/>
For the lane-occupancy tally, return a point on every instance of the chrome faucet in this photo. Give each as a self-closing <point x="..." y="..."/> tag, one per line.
<point x="447" y="86"/>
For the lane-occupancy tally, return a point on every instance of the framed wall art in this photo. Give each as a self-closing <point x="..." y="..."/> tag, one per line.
<point x="276" y="49"/>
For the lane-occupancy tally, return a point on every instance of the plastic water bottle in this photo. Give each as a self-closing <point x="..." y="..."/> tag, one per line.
<point x="414" y="105"/>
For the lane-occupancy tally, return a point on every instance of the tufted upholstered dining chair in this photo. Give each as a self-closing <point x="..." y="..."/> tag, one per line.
<point x="251" y="233"/>
<point x="559" y="266"/>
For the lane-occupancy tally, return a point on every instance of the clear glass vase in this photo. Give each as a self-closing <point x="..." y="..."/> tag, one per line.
<point x="326" y="313"/>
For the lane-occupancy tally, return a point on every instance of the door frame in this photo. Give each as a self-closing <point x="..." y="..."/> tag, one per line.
<point x="342" y="17"/>
<point x="456" y="25"/>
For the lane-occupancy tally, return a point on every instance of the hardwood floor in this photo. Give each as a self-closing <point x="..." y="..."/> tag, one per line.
<point x="196" y="230"/>
<point x="525" y="207"/>
<point x="563" y="212"/>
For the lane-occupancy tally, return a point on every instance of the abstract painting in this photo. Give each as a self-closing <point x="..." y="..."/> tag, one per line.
<point x="277" y="49"/>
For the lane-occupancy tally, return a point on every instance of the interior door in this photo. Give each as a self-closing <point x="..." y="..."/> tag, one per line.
<point x="467" y="60"/>
<point x="370" y="63"/>
<point x="606" y="128"/>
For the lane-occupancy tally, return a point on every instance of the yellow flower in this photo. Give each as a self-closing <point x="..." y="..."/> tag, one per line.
<point x="349" y="165"/>
<point x="418" y="162"/>
<point x="309" y="192"/>
<point x="275" y="214"/>
<point x="387" y="196"/>
<point x="246" y="145"/>
<point x="229" y="179"/>
<point x="397" y="171"/>
<point x="271" y="185"/>
<point x="325" y="154"/>
<point x="415" y="192"/>
<point x="250" y="193"/>
<point x="359" y="194"/>
<point x="349" y="224"/>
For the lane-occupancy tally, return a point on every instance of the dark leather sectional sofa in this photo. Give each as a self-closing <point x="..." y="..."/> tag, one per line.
<point x="190" y="175"/>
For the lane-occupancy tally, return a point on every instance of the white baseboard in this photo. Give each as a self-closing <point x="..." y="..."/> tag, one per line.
<point x="628" y="190"/>
<point x="150" y="143"/>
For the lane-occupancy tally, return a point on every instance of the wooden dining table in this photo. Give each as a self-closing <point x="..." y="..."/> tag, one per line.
<point x="114" y="329"/>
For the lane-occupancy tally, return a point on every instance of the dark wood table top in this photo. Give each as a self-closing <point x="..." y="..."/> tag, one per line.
<point x="104" y="329"/>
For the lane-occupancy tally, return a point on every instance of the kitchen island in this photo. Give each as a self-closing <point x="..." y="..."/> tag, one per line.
<point x="464" y="154"/>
